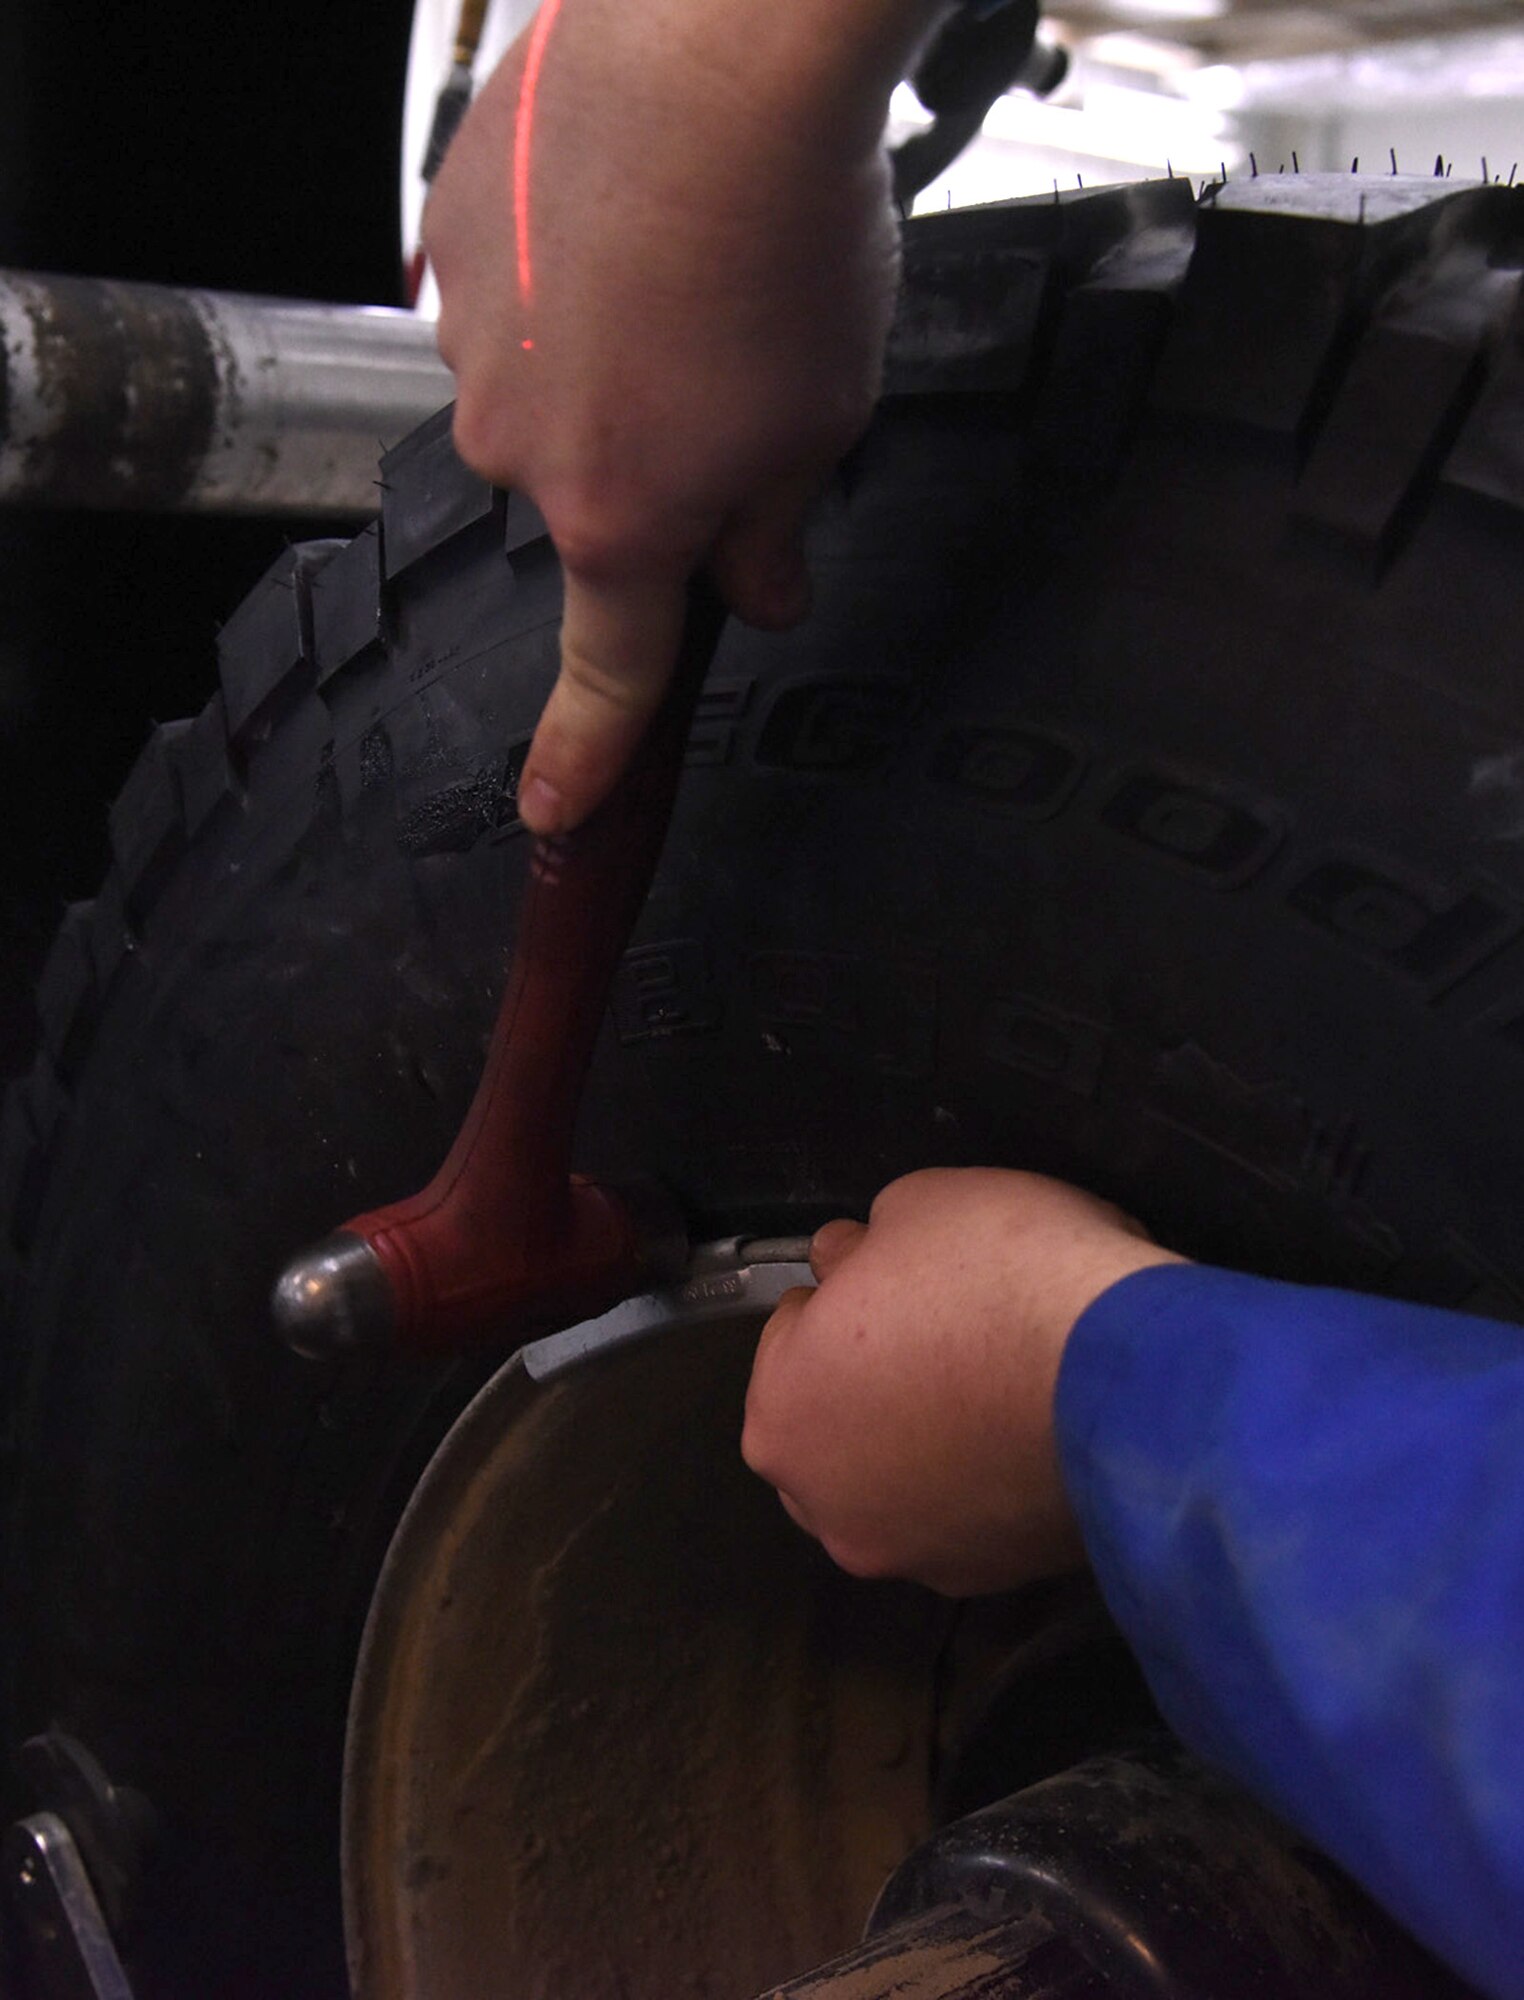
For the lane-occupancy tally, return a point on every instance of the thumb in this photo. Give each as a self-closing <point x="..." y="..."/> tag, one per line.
<point x="619" y="643"/>
<point x="832" y="1244"/>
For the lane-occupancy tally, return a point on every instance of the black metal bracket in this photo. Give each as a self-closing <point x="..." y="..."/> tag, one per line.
<point x="980" y="54"/>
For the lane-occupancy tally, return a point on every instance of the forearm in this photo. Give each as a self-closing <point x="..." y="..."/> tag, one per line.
<point x="1305" y="1511"/>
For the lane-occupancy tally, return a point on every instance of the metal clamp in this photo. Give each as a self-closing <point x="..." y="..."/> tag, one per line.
<point x="728" y="1280"/>
<point x="65" y="1946"/>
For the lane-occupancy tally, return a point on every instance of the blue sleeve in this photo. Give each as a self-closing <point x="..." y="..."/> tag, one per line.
<point x="1306" y="1511"/>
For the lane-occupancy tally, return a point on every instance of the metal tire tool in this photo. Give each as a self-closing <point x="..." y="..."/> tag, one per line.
<point x="65" y="1946"/>
<point x="505" y="1242"/>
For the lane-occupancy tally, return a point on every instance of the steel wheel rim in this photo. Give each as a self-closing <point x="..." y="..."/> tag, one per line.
<point x="617" y="1727"/>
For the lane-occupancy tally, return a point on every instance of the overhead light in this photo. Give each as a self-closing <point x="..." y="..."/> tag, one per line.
<point x="1132" y="127"/>
<point x="1424" y="71"/>
<point x="1126" y="48"/>
<point x="1170" y="10"/>
<point x="1219" y="86"/>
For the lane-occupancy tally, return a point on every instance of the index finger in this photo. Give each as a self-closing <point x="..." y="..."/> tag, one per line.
<point x="619" y="643"/>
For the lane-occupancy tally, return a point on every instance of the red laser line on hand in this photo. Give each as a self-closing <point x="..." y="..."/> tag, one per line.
<point x="523" y="145"/>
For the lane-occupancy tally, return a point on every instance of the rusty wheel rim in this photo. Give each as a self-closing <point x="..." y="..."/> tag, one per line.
<point x="618" y="1729"/>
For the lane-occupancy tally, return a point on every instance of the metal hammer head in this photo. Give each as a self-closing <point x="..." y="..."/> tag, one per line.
<point x="334" y="1299"/>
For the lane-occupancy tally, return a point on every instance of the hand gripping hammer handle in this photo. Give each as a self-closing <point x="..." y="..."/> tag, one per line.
<point x="505" y="1242"/>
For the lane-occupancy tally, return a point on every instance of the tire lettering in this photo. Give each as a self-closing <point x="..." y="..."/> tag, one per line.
<point x="1206" y="834"/>
<point x="1432" y="938"/>
<point x="1023" y="1033"/>
<point x="662" y="990"/>
<point x="836" y="728"/>
<point x="1026" y="772"/>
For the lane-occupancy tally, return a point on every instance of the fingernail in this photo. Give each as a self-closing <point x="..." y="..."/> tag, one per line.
<point x="541" y="807"/>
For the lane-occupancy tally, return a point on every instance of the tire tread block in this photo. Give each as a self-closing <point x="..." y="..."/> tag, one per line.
<point x="147" y="822"/>
<point x="1281" y="281"/>
<point x="1488" y="458"/>
<point x="979" y="285"/>
<point x="264" y="652"/>
<point x="428" y="495"/>
<point x="346" y="605"/>
<point x="31" y="1109"/>
<point x="1404" y="394"/>
<point x="1416" y="376"/>
<point x="67" y="991"/>
<point x="111" y="936"/>
<point x="202" y="765"/>
<point x="523" y="523"/>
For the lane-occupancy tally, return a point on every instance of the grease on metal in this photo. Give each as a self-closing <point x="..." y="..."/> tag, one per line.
<point x="124" y="397"/>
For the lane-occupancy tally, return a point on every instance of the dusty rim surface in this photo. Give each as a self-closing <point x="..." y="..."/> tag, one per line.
<point x="618" y="1729"/>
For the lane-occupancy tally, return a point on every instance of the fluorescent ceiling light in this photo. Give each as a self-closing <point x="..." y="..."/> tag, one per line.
<point x="1148" y="54"/>
<point x="1421" y="71"/>
<point x="1171" y="10"/>
<point x="1218" y="85"/>
<point x="1133" y="127"/>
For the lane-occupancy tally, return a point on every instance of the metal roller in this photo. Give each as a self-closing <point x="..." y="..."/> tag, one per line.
<point x="142" y="396"/>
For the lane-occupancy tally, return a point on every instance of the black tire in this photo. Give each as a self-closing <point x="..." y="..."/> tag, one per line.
<point x="135" y="145"/>
<point x="1142" y="803"/>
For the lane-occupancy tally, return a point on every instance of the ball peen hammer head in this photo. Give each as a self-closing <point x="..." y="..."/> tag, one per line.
<point x="334" y="1299"/>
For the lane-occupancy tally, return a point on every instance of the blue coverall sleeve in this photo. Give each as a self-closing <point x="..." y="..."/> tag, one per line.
<point x="1306" y="1511"/>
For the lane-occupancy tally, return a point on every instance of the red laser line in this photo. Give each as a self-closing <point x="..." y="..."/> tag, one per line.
<point x="523" y="142"/>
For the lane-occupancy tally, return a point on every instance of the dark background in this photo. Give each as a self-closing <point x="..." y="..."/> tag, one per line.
<point x="247" y="148"/>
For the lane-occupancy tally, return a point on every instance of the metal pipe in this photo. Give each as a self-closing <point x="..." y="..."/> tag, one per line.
<point x="142" y="396"/>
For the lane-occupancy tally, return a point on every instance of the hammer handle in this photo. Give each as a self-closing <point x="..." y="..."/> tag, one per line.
<point x="502" y="1234"/>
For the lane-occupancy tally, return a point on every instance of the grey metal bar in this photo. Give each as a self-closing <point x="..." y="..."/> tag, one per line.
<point x="68" y="1947"/>
<point x="143" y="396"/>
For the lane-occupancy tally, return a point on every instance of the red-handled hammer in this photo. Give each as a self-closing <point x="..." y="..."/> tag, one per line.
<point x="505" y="1241"/>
